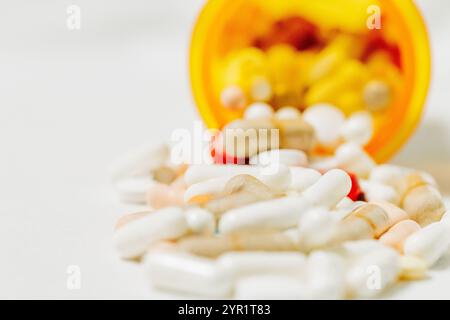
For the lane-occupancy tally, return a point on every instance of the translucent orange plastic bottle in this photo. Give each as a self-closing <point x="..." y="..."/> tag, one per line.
<point x="227" y="25"/>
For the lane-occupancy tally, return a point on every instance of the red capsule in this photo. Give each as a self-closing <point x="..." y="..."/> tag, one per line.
<point x="221" y="157"/>
<point x="356" y="193"/>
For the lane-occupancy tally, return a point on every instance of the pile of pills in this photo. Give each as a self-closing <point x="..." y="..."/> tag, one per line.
<point x="355" y="73"/>
<point x="297" y="210"/>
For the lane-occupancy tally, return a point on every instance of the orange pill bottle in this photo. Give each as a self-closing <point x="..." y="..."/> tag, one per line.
<point x="227" y="26"/>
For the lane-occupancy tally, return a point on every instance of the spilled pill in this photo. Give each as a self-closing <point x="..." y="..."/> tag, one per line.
<point x="375" y="191"/>
<point x="353" y="158"/>
<point x="186" y="273"/>
<point x="239" y="191"/>
<point x="200" y="221"/>
<point x="327" y="121"/>
<point x="213" y="246"/>
<point x="266" y="215"/>
<point x="326" y="276"/>
<point x="134" y="189"/>
<point x="139" y="162"/>
<point x="303" y="178"/>
<point x="371" y="273"/>
<point x="271" y="287"/>
<point x="358" y="128"/>
<point x="288" y="157"/>
<point x="241" y="264"/>
<point x="135" y="238"/>
<point x="275" y="176"/>
<point x="396" y="236"/>
<point x="331" y="188"/>
<point x="428" y="244"/>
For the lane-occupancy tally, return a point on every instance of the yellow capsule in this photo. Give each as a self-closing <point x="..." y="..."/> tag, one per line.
<point x="350" y="102"/>
<point x="282" y="63"/>
<point x="351" y="75"/>
<point x="332" y="57"/>
<point x="243" y="66"/>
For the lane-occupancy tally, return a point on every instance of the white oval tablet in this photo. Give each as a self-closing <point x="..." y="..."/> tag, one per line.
<point x="287" y="113"/>
<point x="327" y="121"/>
<point x="258" y="110"/>
<point x="358" y="128"/>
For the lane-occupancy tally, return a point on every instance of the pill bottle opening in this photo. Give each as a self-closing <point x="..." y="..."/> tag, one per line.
<point x="354" y="54"/>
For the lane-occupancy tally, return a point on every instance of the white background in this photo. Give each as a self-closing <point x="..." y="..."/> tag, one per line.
<point x="71" y="101"/>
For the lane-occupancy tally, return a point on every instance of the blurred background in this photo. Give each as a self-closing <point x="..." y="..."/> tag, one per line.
<point x="73" y="100"/>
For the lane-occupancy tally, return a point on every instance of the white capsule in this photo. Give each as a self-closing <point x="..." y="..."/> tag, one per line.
<point x="324" y="164"/>
<point x="373" y="272"/>
<point x="187" y="273"/>
<point x="139" y="162"/>
<point x="303" y="178"/>
<point x="271" y="287"/>
<point x="430" y="243"/>
<point x="136" y="237"/>
<point x="428" y="178"/>
<point x="331" y="188"/>
<point x="241" y="264"/>
<point x="359" y="248"/>
<point x="327" y="121"/>
<point x="261" y="89"/>
<point x="375" y="191"/>
<point x="200" y="221"/>
<point x="199" y="173"/>
<point x="134" y="189"/>
<point x="292" y="234"/>
<point x="391" y="175"/>
<point x="343" y="210"/>
<point x="209" y="187"/>
<point x="388" y="174"/>
<point x="326" y="276"/>
<point x="287" y="113"/>
<point x="358" y="128"/>
<point x="316" y="227"/>
<point x="353" y="158"/>
<point x="274" y="214"/>
<point x="344" y="203"/>
<point x="277" y="176"/>
<point x="288" y="157"/>
<point x="258" y="110"/>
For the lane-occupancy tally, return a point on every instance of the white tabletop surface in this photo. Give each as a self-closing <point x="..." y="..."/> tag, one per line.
<point x="71" y="101"/>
